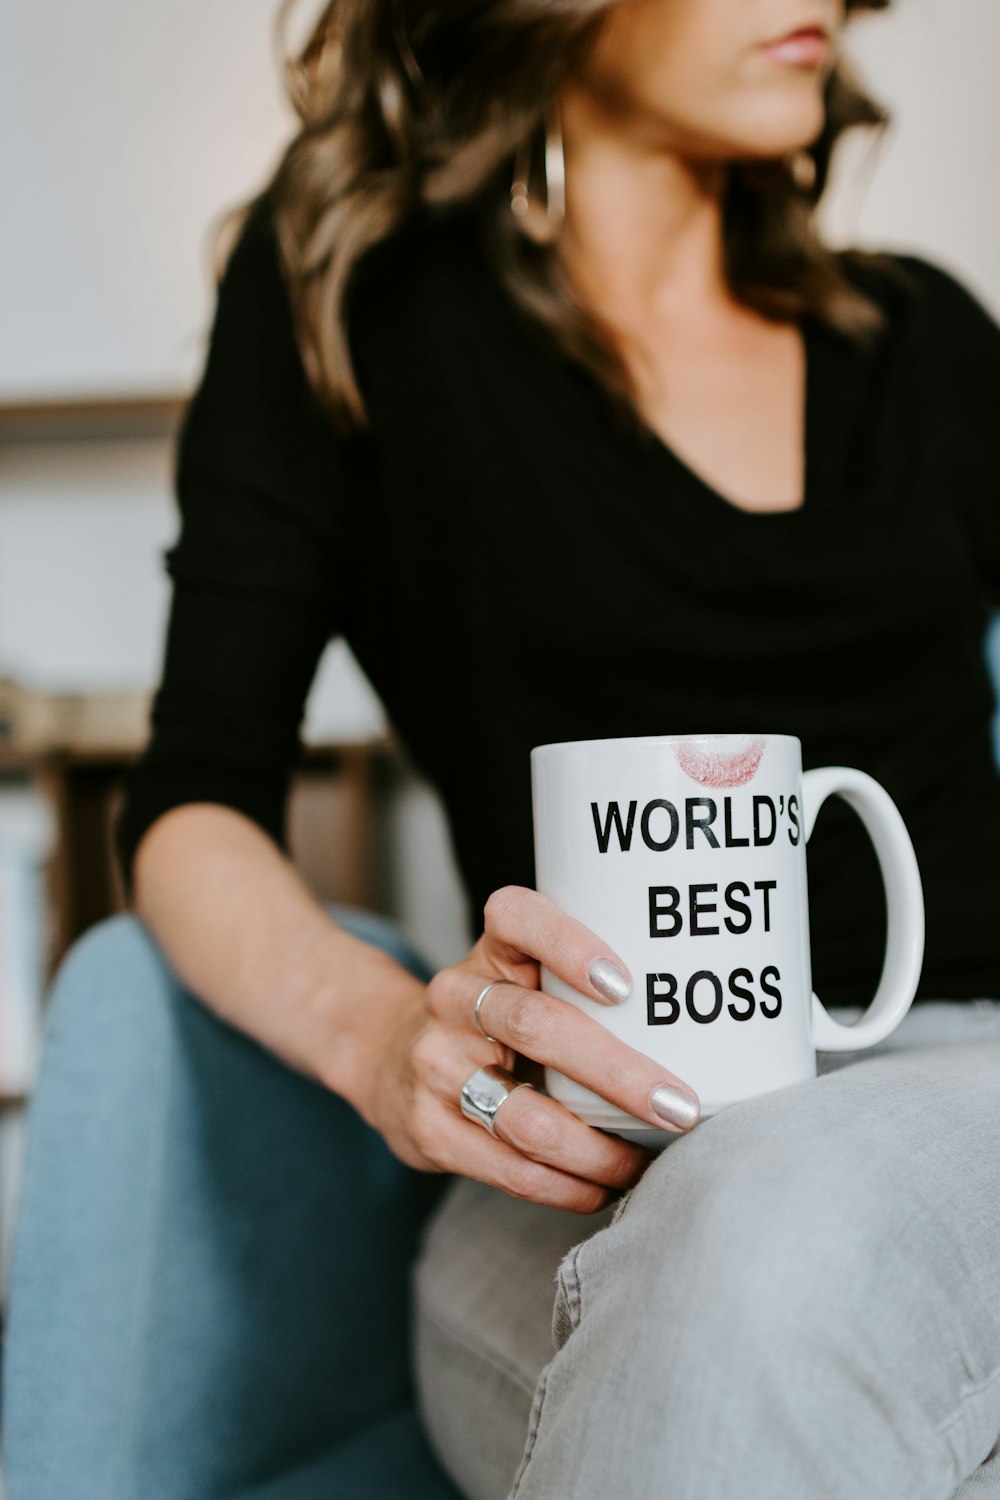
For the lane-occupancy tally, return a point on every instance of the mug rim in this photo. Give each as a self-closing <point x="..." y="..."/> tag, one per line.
<point x="661" y="739"/>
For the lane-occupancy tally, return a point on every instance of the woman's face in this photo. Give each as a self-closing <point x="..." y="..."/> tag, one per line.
<point x="696" y="76"/>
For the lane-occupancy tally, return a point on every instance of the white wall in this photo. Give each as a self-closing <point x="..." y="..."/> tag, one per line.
<point x="120" y="140"/>
<point x="124" y="128"/>
<point x="932" y="183"/>
<point x="83" y="594"/>
<point x="80" y="524"/>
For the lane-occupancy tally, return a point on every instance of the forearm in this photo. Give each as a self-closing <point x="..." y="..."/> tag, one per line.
<point x="244" y="933"/>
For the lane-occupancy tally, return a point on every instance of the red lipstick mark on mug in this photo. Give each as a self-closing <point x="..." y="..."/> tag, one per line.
<point x="728" y="766"/>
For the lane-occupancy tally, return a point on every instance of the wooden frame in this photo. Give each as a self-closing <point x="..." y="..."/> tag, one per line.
<point x="332" y="832"/>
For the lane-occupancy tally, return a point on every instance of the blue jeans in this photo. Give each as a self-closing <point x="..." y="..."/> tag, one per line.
<point x="208" y="1292"/>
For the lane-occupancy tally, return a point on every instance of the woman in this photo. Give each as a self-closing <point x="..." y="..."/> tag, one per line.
<point x="531" y="376"/>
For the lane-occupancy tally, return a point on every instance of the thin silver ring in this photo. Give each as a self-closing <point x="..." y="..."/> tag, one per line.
<point x="479" y="1000"/>
<point x="483" y="1093"/>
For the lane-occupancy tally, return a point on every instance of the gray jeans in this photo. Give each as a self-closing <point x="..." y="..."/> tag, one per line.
<point x="799" y="1299"/>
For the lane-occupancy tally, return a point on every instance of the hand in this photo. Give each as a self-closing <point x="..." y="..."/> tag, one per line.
<point x="540" y="1151"/>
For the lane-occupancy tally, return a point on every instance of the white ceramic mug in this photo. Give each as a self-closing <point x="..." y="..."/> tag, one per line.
<point x="686" y="854"/>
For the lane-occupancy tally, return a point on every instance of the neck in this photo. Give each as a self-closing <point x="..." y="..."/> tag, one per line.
<point x="643" y="228"/>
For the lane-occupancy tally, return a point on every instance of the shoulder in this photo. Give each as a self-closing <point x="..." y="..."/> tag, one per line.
<point x="942" y="290"/>
<point x="941" y="342"/>
<point x="929" y="307"/>
<point x="407" y="299"/>
<point x="252" y="326"/>
<point x="253" y="410"/>
<point x="251" y="266"/>
<point x="433" y="230"/>
<point x="430" y="262"/>
<point x="421" y="304"/>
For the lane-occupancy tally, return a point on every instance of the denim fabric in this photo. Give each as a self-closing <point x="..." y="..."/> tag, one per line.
<point x="800" y="1298"/>
<point x="208" y="1291"/>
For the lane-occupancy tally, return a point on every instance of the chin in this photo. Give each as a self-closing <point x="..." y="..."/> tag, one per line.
<point x="788" y="128"/>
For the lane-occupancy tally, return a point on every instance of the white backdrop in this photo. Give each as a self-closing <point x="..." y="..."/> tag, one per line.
<point x="932" y="185"/>
<point x="125" y="127"/>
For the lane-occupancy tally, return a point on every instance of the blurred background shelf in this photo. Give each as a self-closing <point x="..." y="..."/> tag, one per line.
<point x="362" y="830"/>
<point x="333" y="819"/>
<point x="102" y="419"/>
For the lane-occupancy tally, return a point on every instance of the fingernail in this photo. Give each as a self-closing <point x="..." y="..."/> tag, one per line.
<point x="609" y="980"/>
<point x="673" y="1105"/>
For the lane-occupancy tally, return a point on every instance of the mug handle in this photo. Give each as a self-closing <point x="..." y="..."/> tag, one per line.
<point x="904" y="952"/>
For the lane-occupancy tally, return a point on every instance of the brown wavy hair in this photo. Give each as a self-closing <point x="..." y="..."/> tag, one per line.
<point x="411" y="107"/>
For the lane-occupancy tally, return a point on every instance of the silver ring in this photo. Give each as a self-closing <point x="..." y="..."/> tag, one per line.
<point x="479" y="1000"/>
<point x="486" y="1090"/>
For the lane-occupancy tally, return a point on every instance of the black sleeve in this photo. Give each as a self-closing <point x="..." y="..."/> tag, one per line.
<point x="962" y="354"/>
<point x="259" y="570"/>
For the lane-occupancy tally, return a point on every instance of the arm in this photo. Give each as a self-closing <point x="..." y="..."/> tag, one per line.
<point x="262" y="579"/>
<point x="296" y="982"/>
<point x="261" y="576"/>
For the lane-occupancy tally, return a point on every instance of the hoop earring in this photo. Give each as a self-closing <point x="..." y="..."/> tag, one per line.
<point x="802" y="169"/>
<point x="541" y="222"/>
<point x="413" y="69"/>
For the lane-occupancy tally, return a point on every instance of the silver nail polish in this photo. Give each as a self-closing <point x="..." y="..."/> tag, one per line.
<point x="670" y="1104"/>
<point x="610" y="981"/>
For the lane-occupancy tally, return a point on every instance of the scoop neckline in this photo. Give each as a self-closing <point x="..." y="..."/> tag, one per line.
<point x="651" y="452"/>
<point x="659" y="453"/>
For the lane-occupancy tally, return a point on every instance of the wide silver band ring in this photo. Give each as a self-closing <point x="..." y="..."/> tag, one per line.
<point x="479" y="1000"/>
<point x="486" y="1090"/>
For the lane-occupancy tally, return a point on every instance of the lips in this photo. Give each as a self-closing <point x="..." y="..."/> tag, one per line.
<point x="815" y="27"/>
<point x="807" y="45"/>
<point x="717" y="760"/>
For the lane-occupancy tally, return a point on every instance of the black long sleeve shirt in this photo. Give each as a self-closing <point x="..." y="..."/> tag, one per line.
<point x="511" y="567"/>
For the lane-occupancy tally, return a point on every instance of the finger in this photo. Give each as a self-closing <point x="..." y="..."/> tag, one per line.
<point x="527" y="1119"/>
<point x="523" y="924"/>
<point x="554" y="1032"/>
<point x="545" y="1130"/>
<point x="461" y="1145"/>
<point x="442" y="1058"/>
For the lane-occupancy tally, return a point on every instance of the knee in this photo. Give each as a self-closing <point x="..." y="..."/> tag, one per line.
<point x="117" y="945"/>
<point x="113" y="990"/>
<point x="772" y="1239"/>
